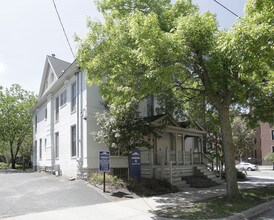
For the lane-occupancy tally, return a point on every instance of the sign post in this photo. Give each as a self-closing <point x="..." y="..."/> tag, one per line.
<point x="104" y="164"/>
<point x="135" y="164"/>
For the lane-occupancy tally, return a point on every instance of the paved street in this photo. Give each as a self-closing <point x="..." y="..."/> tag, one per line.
<point x="268" y="215"/>
<point x="27" y="196"/>
<point x="23" y="193"/>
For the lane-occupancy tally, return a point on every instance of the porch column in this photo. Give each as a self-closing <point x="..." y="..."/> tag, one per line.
<point x="176" y="147"/>
<point x="183" y="150"/>
<point x="152" y="150"/>
<point x="200" y="148"/>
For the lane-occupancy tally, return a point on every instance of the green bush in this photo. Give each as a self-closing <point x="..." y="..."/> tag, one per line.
<point x="240" y="175"/>
<point x="3" y="165"/>
<point x="98" y="178"/>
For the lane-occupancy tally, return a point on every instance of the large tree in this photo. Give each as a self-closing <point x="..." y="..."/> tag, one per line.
<point x="148" y="46"/>
<point x="16" y="120"/>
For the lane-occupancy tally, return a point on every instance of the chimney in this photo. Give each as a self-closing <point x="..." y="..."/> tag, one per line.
<point x="53" y="55"/>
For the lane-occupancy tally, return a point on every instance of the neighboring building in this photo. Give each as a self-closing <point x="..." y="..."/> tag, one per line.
<point x="264" y="143"/>
<point x="64" y="119"/>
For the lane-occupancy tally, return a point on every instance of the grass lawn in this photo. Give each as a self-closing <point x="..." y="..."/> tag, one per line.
<point x="218" y="207"/>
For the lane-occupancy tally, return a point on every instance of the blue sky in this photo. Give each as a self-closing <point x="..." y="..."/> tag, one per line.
<point x="30" y="30"/>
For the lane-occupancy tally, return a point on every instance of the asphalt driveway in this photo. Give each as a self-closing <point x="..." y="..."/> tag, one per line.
<point x="24" y="193"/>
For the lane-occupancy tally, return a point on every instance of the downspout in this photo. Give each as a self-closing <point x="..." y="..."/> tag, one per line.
<point x="82" y="130"/>
<point x="51" y="101"/>
<point x="77" y="116"/>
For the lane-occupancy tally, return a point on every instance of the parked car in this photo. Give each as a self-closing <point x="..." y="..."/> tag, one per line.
<point x="246" y="166"/>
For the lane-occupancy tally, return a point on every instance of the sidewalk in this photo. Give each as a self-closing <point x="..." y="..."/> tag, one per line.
<point x="141" y="208"/>
<point x="134" y="209"/>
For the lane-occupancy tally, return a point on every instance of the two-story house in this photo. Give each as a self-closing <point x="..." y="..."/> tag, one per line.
<point x="64" y="118"/>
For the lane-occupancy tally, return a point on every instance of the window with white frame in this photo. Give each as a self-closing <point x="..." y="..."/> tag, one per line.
<point x="63" y="98"/>
<point x="73" y="96"/>
<point x="40" y="149"/>
<point x="73" y="141"/>
<point x="57" y="145"/>
<point x="35" y="127"/>
<point x="57" y="108"/>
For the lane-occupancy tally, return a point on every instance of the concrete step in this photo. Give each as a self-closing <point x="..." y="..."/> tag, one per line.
<point x="210" y="176"/>
<point x="175" y="179"/>
<point x="181" y="185"/>
<point x="181" y="188"/>
<point x="217" y="180"/>
<point x="207" y="172"/>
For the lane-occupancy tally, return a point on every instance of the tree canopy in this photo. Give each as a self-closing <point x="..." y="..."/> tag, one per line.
<point x="148" y="46"/>
<point x="123" y="129"/>
<point x="16" y="120"/>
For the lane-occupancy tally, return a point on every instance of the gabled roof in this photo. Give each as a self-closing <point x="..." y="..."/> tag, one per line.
<point x="57" y="66"/>
<point x="170" y="122"/>
<point x="164" y="119"/>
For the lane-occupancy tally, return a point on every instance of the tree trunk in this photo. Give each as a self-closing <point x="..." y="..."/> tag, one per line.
<point x="13" y="162"/>
<point x="12" y="157"/>
<point x="230" y="170"/>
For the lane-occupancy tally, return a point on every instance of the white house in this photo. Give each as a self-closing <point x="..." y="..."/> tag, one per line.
<point x="63" y="119"/>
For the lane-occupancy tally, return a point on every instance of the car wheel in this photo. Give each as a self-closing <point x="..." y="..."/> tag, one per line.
<point x="249" y="169"/>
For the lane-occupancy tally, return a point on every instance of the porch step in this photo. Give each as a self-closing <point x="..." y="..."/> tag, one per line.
<point x="217" y="180"/>
<point x="203" y="171"/>
<point x="181" y="184"/>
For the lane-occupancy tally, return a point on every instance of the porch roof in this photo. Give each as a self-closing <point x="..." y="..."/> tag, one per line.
<point x="170" y="125"/>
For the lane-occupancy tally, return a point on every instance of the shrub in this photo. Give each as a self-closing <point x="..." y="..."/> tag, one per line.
<point x="240" y="175"/>
<point x="3" y="165"/>
<point x="98" y="178"/>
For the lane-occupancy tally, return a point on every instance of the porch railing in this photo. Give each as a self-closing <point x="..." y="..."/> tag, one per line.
<point x="172" y="156"/>
<point x="206" y="160"/>
<point x="145" y="156"/>
<point x="197" y="158"/>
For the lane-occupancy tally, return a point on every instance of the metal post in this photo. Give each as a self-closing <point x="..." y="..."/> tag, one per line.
<point x="170" y="172"/>
<point x="104" y="190"/>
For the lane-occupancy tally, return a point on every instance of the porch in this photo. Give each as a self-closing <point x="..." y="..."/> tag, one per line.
<point x="181" y="163"/>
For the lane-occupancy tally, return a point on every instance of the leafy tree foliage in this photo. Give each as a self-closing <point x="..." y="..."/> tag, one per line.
<point x="148" y="46"/>
<point x="16" y="120"/>
<point x="269" y="157"/>
<point x="123" y="129"/>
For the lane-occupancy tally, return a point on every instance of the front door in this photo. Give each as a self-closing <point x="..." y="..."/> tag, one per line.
<point x="188" y="143"/>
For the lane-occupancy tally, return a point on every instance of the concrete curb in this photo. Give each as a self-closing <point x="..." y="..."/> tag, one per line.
<point x="252" y="212"/>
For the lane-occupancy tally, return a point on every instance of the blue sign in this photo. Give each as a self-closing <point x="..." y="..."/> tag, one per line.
<point x="104" y="158"/>
<point x="135" y="164"/>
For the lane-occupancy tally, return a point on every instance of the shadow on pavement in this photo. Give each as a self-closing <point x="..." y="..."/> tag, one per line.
<point x="9" y="171"/>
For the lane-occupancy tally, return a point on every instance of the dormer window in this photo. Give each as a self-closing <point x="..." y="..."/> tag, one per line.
<point x="51" y="78"/>
<point x="150" y="106"/>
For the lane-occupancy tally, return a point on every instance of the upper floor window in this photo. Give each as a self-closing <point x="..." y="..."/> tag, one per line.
<point x="63" y="98"/>
<point x="35" y="128"/>
<point x="57" y="145"/>
<point x="73" y="140"/>
<point x="272" y="134"/>
<point x="46" y="114"/>
<point x="51" y="78"/>
<point x="57" y="108"/>
<point x="150" y="106"/>
<point x="40" y="149"/>
<point x="73" y="97"/>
